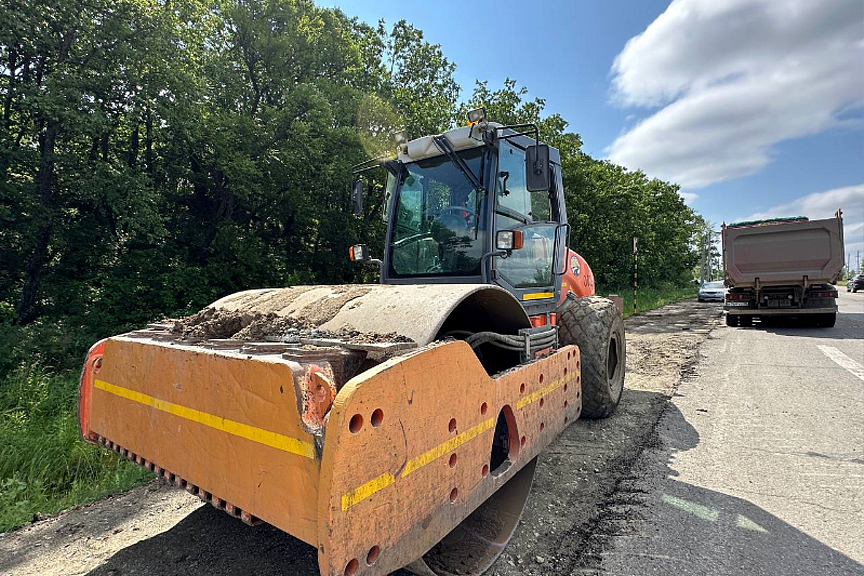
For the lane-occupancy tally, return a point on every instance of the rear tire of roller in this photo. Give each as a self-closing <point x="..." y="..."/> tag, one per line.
<point x="595" y="325"/>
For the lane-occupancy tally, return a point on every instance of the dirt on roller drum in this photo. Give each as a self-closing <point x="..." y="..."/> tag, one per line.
<point x="582" y="491"/>
<point x="265" y="324"/>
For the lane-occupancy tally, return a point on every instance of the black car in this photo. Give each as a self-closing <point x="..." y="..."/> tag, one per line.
<point x="855" y="283"/>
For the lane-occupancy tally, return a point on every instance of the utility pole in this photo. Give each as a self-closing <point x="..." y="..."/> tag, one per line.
<point x="710" y="257"/>
<point x="635" y="273"/>
<point x="858" y="261"/>
<point x="706" y="268"/>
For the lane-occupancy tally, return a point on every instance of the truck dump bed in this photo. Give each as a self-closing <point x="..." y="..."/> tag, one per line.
<point x="782" y="252"/>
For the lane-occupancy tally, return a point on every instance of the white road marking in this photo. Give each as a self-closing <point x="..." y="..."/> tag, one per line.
<point x="849" y="364"/>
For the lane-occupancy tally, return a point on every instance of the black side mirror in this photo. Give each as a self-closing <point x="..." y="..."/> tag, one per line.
<point x="538" y="174"/>
<point x="357" y="196"/>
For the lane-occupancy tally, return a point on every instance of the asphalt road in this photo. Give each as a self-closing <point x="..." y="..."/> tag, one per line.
<point x="758" y="467"/>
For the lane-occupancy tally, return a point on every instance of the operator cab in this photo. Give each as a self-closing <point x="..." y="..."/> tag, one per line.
<point x="464" y="207"/>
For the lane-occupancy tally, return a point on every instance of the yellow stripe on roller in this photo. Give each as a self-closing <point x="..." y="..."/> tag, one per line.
<point x="362" y="492"/>
<point x="533" y="397"/>
<point x="266" y="437"/>
<point x="366" y="490"/>
<point x="446" y="447"/>
<point x="537" y="296"/>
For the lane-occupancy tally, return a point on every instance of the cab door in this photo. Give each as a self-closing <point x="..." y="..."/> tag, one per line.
<point x="529" y="273"/>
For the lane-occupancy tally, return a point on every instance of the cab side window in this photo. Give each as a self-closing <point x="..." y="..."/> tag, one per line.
<point x="512" y="194"/>
<point x="531" y="212"/>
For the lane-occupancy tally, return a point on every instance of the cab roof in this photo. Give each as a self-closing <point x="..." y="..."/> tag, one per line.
<point x="463" y="138"/>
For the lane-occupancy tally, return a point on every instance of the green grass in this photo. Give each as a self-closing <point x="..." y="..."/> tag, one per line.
<point x="650" y="298"/>
<point x="44" y="466"/>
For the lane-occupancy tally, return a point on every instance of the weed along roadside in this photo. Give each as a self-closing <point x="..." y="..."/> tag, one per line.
<point x="44" y="466"/>
<point x="651" y="298"/>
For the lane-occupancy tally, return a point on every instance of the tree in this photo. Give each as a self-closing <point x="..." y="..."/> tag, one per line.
<point x="73" y="102"/>
<point x="155" y="156"/>
<point x="418" y="80"/>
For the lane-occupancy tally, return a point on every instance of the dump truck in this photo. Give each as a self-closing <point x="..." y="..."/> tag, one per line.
<point x="783" y="267"/>
<point x="395" y="424"/>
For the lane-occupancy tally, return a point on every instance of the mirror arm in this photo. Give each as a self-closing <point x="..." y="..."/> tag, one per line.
<point x="376" y="262"/>
<point x="370" y="164"/>
<point x="498" y="253"/>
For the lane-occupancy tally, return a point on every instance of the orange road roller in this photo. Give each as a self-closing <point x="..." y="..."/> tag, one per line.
<point x="388" y="425"/>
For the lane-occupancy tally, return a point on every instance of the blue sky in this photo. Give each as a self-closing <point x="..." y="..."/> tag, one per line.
<point x="756" y="108"/>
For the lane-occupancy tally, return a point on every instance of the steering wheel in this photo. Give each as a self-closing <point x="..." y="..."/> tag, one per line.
<point x="455" y="217"/>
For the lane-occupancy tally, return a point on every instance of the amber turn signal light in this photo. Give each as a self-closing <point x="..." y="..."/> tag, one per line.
<point x="358" y="253"/>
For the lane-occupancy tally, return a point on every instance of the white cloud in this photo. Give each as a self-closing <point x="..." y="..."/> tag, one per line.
<point x="823" y="205"/>
<point x="688" y="197"/>
<point x="733" y="78"/>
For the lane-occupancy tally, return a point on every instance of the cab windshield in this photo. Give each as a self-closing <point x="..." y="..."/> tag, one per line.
<point x="437" y="225"/>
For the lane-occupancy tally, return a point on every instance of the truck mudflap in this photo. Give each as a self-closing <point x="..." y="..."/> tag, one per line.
<point x="374" y="475"/>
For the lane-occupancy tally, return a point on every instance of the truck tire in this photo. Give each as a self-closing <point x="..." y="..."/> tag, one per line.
<point x="731" y="320"/>
<point x="596" y="326"/>
<point x="745" y="321"/>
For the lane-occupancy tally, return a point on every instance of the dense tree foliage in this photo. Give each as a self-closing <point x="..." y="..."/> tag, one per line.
<point x="157" y="155"/>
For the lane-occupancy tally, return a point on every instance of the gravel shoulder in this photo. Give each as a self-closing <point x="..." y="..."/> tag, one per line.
<point x="158" y="529"/>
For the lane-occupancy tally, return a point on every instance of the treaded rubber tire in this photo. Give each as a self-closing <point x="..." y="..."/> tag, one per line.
<point x="593" y="323"/>
<point x="731" y="320"/>
<point x="745" y="321"/>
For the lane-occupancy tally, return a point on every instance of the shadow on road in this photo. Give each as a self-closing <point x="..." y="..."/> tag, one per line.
<point x="666" y="526"/>
<point x="693" y="530"/>
<point x="849" y="326"/>
<point x="210" y="542"/>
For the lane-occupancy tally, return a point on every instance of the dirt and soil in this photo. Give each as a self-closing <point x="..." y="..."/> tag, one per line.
<point x="585" y="473"/>
<point x="259" y="319"/>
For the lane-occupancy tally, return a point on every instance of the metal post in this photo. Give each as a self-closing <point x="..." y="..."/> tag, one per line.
<point x="710" y="259"/>
<point x="635" y="273"/>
